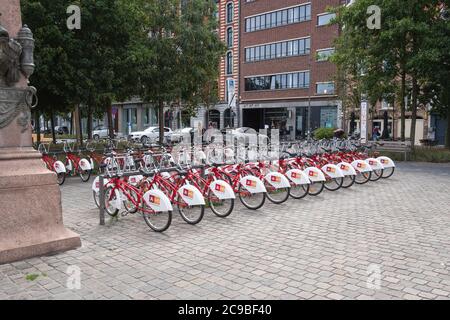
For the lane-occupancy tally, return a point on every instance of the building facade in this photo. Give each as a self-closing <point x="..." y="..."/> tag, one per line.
<point x="284" y="66"/>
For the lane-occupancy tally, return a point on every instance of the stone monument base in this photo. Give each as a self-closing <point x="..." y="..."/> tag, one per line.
<point x="31" y="222"/>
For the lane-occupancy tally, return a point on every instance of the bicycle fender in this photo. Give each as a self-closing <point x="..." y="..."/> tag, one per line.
<point x="386" y="162"/>
<point x="96" y="184"/>
<point x="222" y="190"/>
<point x="253" y="184"/>
<point x="117" y="203"/>
<point x="298" y="177"/>
<point x="277" y="180"/>
<point x="158" y="201"/>
<point x="92" y="163"/>
<point x="332" y="171"/>
<point x="85" y="165"/>
<point x="191" y="195"/>
<point x="314" y="174"/>
<point x="374" y="164"/>
<point x="59" y="167"/>
<point x="69" y="166"/>
<point x="347" y="169"/>
<point x="361" y="166"/>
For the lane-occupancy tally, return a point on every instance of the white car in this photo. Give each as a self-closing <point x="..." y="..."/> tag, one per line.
<point x="178" y="135"/>
<point x="150" y="135"/>
<point x="246" y="135"/>
<point x="101" y="132"/>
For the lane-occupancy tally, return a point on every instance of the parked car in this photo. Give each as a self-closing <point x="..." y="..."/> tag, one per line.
<point x="245" y="134"/>
<point x="62" y="130"/>
<point x="101" y="132"/>
<point x="178" y="135"/>
<point x="150" y="135"/>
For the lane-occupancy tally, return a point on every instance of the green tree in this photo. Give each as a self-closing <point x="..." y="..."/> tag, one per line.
<point x="390" y="56"/>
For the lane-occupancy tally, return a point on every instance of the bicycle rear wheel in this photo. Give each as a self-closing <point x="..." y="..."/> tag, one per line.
<point x="109" y="197"/>
<point x="252" y="201"/>
<point x="376" y="175"/>
<point x="387" y="173"/>
<point x="362" y="177"/>
<point x="277" y="196"/>
<point x="221" y="208"/>
<point x="348" y="181"/>
<point x="191" y="214"/>
<point x="85" y="175"/>
<point x="299" y="191"/>
<point x="316" y="188"/>
<point x="61" y="178"/>
<point x="157" y="221"/>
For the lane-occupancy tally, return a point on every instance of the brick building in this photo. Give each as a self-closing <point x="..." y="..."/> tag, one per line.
<point x="284" y="67"/>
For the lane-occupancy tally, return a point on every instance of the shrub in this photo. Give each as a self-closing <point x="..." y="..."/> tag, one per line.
<point x="324" y="133"/>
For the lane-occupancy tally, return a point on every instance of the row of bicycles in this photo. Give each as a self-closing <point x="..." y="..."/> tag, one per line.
<point x="155" y="182"/>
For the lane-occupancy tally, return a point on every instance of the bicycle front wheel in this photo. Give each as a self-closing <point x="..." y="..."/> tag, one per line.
<point x="348" y="181"/>
<point x="334" y="184"/>
<point x="362" y="177"/>
<point x="376" y="175"/>
<point x="191" y="214"/>
<point x="110" y="197"/>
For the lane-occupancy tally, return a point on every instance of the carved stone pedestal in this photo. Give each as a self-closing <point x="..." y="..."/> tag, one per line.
<point x="30" y="214"/>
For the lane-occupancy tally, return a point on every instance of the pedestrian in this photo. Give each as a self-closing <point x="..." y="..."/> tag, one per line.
<point x="375" y="133"/>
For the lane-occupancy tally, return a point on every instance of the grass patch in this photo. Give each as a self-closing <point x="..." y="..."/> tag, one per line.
<point x="32" y="276"/>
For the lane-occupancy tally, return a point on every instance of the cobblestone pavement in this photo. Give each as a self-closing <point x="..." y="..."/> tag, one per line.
<point x="329" y="247"/>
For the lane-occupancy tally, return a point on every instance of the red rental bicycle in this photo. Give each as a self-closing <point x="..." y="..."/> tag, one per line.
<point x="53" y="164"/>
<point x="118" y="188"/>
<point x="76" y="165"/>
<point x="188" y="199"/>
<point x="210" y="187"/>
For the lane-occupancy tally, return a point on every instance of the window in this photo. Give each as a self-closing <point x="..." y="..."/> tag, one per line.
<point x="325" y="19"/>
<point x="293" y="80"/>
<point x="229" y="12"/>
<point x="325" y="88"/>
<point x="230" y="37"/>
<point x="324" y="54"/>
<point x="278" y="18"/>
<point x="289" y="48"/>
<point x="229" y="63"/>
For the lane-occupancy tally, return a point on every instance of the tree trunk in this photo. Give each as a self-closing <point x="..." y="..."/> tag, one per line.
<point x="37" y="126"/>
<point x="78" y="126"/>
<point x="403" y="105"/>
<point x="89" y="122"/>
<point x="447" y="136"/>
<point x="415" y="92"/>
<point x="52" y="124"/>
<point x="110" y="118"/>
<point x="161" y="121"/>
<point x="71" y="123"/>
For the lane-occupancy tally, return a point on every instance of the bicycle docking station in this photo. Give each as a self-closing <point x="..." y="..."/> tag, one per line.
<point x="31" y="215"/>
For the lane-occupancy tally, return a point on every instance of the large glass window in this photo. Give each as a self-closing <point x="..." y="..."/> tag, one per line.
<point x="325" y="54"/>
<point x="277" y="18"/>
<point x="325" y="88"/>
<point x="293" y="80"/>
<point x="230" y="12"/>
<point x="278" y="50"/>
<point x="230" y="37"/>
<point x="325" y="19"/>
<point x="229" y="63"/>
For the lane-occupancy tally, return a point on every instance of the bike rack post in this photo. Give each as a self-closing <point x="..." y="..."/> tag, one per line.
<point x="102" y="199"/>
